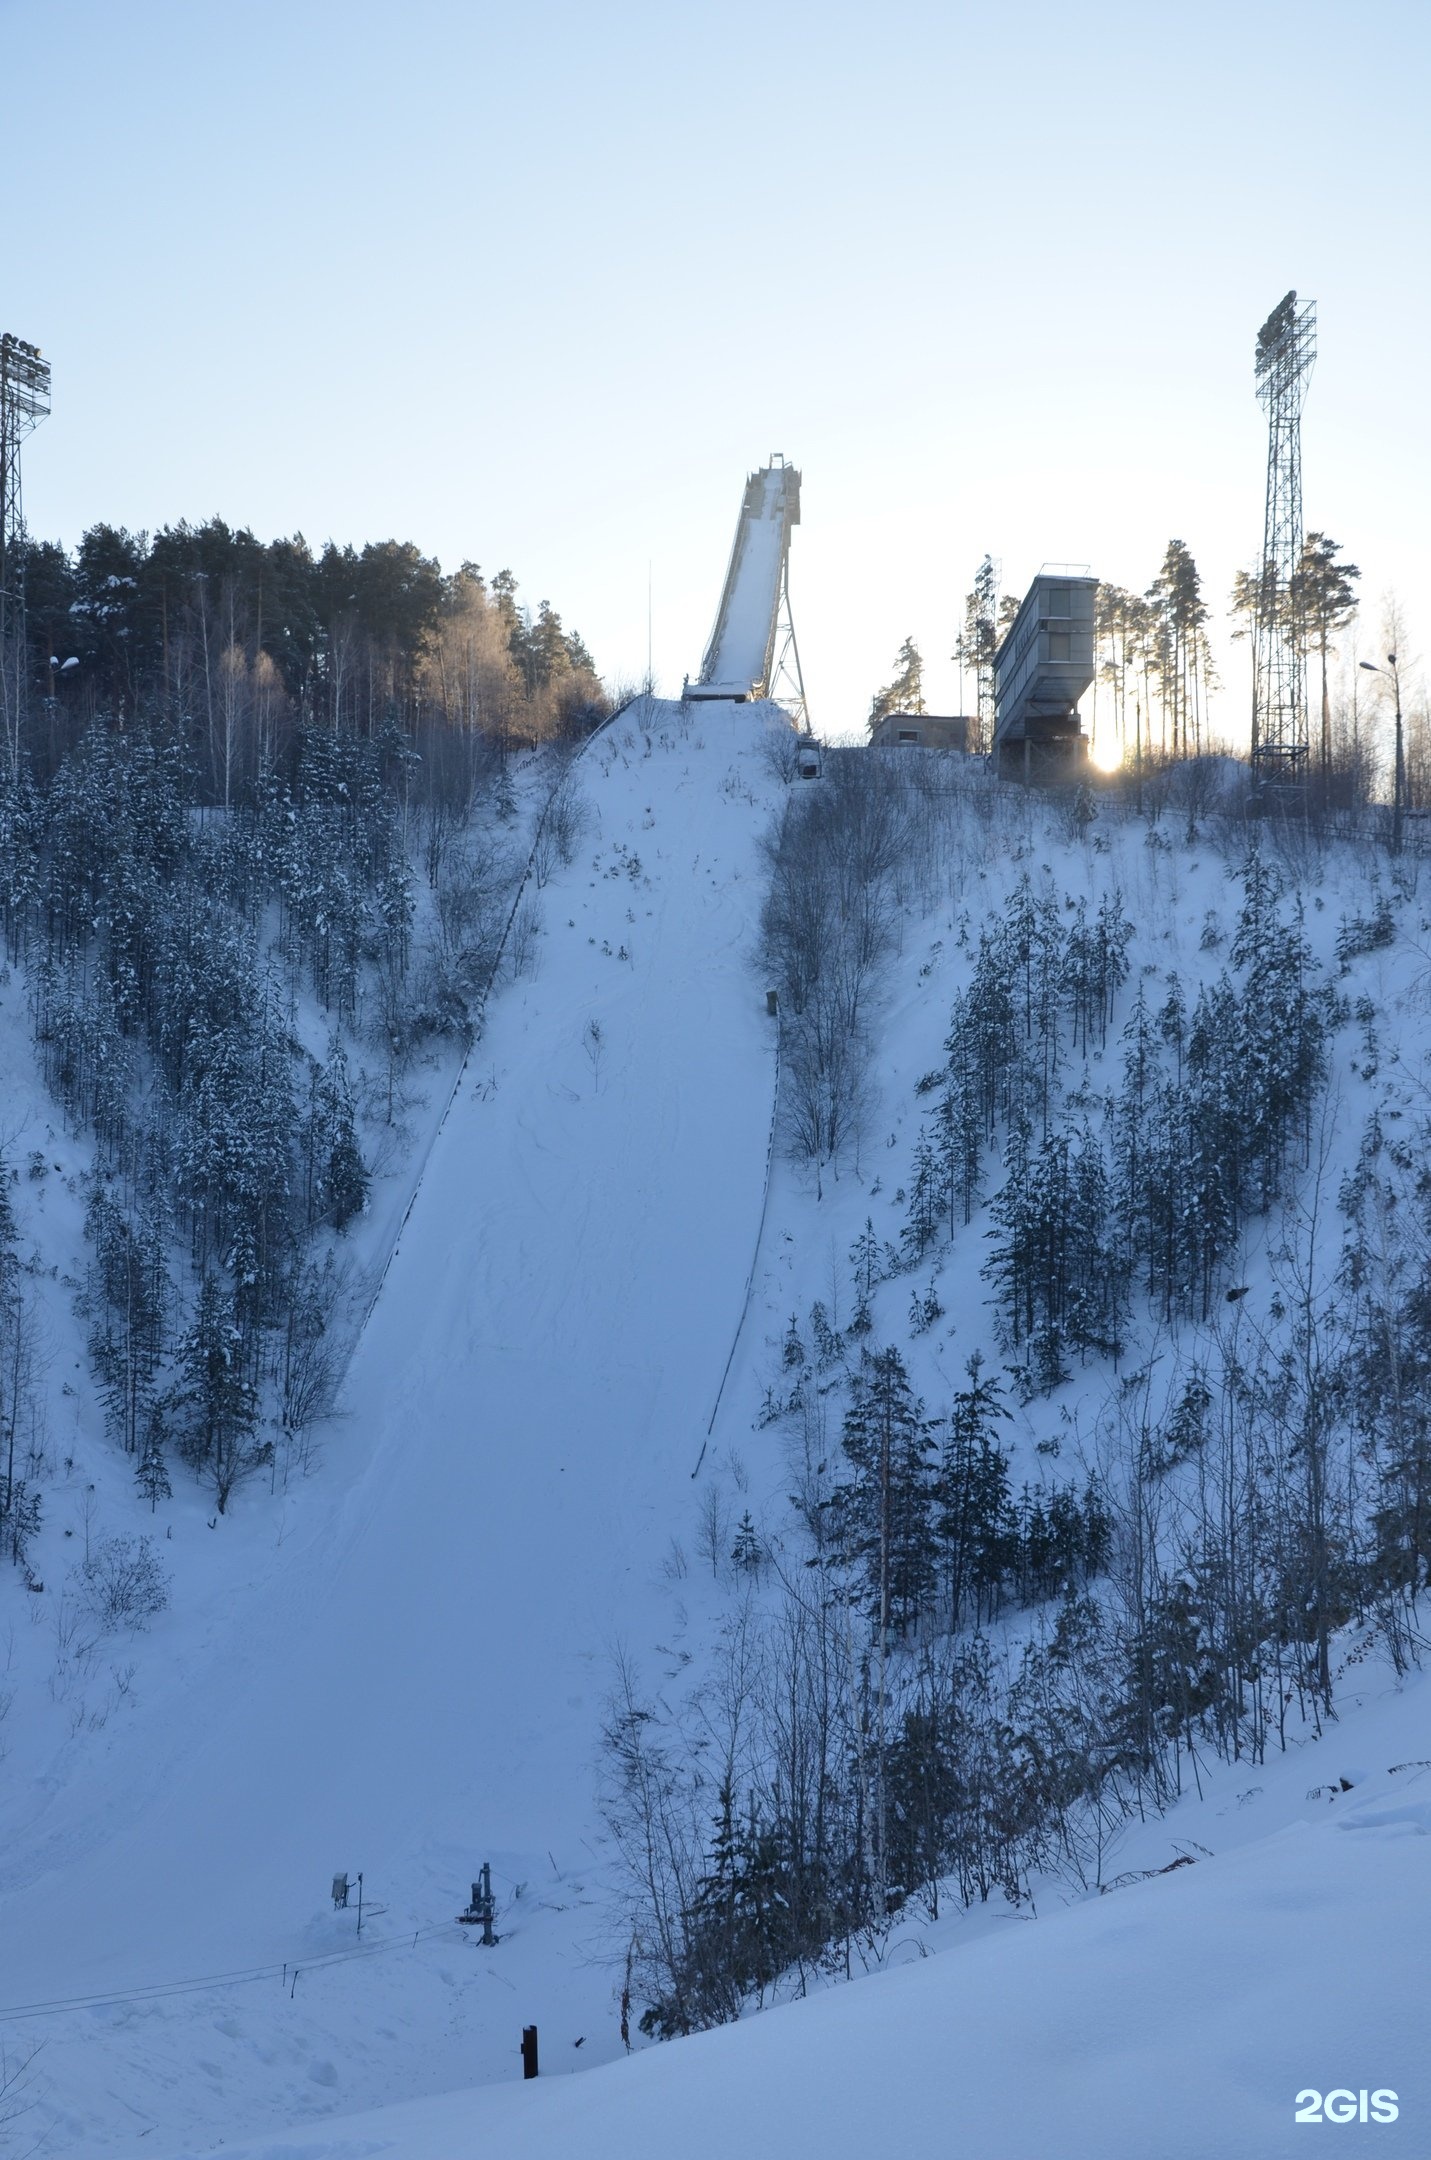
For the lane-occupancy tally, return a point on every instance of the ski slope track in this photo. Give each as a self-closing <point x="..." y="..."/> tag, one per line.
<point x="415" y="1684"/>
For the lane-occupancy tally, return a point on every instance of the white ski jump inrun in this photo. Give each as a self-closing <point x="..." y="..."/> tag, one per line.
<point x="741" y="652"/>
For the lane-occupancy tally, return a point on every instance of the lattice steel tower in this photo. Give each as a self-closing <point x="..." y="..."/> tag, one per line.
<point x="1286" y="354"/>
<point x="24" y="402"/>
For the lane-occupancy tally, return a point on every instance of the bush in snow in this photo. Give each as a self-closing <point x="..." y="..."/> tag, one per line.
<point x="124" y="1582"/>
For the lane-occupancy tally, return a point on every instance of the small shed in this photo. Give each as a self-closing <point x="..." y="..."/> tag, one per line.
<point x="923" y="731"/>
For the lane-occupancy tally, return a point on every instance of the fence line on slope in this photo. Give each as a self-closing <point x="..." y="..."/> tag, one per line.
<point x="760" y="1228"/>
<point x="243" y="1976"/>
<point x="750" y="1276"/>
<point x="476" y="1034"/>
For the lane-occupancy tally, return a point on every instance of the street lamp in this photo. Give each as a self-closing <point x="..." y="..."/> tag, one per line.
<point x="1398" y="786"/>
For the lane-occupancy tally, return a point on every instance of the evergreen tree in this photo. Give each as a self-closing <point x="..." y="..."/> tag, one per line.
<point x="985" y="625"/>
<point x="1129" y="1128"/>
<point x="216" y="1404"/>
<point x="866" y="1262"/>
<point x="738" y="1926"/>
<point x="927" y="1194"/>
<point x="982" y="1033"/>
<point x="20" y="1520"/>
<point x="1179" y="614"/>
<point x="883" y="1525"/>
<point x="151" y="1474"/>
<point x="129" y="1287"/>
<point x="338" y="1175"/>
<point x="1052" y="1264"/>
<point x="747" y="1552"/>
<point x="962" y="1113"/>
<point x="1173" y="1023"/>
<point x="924" y="1309"/>
<point x="906" y="692"/>
<point x="9" y="1240"/>
<point x="974" y="1527"/>
<point x="1323" y="600"/>
<point x="828" y="1348"/>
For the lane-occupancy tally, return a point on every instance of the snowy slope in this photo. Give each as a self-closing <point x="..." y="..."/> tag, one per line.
<point x="412" y="1683"/>
<point x="1176" y="2018"/>
<point x="1182" y="898"/>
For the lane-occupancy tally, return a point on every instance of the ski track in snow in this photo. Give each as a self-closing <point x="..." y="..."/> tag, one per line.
<point x="524" y="1409"/>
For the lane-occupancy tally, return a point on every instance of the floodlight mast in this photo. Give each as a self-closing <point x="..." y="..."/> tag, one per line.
<point x="24" y="403"/>
<point x="1286" y="354"/>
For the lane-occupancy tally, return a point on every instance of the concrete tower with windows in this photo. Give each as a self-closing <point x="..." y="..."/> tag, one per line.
<point x="1041" y="670"/>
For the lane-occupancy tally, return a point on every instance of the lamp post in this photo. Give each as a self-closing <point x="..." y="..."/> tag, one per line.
<point x="1398" y="785"/>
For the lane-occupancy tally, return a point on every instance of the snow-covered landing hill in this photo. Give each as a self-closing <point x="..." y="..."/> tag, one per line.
<point x="412" y="1682"/>
<point x="1175" y="2019"/>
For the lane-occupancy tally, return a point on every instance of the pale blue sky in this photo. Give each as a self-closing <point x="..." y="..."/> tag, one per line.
<point x="540" y="284"/>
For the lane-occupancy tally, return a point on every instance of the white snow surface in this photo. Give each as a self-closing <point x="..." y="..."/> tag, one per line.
<point x="412" y="1681"/>
<point x="1175" y="2019"/>
<point x="401" y="1667"/>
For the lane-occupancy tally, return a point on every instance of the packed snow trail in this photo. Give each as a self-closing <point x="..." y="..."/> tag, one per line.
<point x="415" y="1685"/>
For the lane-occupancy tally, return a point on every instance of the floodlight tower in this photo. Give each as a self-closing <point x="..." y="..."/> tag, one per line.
<point x="24" y="403"/>
<point x="1286" y="354"/>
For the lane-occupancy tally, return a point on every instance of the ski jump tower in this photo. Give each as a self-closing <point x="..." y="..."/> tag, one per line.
<point x="752" y="652"/>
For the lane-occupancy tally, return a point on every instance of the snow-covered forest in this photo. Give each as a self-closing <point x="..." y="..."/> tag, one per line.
<point x="243" y="897"/>
<point x="1103" y="1439"/>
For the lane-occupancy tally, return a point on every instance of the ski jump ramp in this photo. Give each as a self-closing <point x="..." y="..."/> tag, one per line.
<point x="741" y="661"/>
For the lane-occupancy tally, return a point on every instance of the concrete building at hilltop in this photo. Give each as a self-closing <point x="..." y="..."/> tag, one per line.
<point x="1041" y="670"/>
<point x="924" y="731"/>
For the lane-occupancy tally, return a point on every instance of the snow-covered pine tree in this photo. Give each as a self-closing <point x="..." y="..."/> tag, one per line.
<point x="21" y="825"/>
<point x="215" y="1405"/>
<point x="1051" y="1264"/>
<point x="927" y="1198"/>
<point x="1113" y="934"/>
<point x="960" y="1117"/>
<point x="829" y="1350"/>
<point x="338" y="1176"/>
<point x="151" y="1473"/>
<point x="748" y="1552"/>
<point x="867" y="1262"/>
<point x="128" y="1294"/>
<point x="884" y="1515"/>
<point x="974" y="1525"/>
